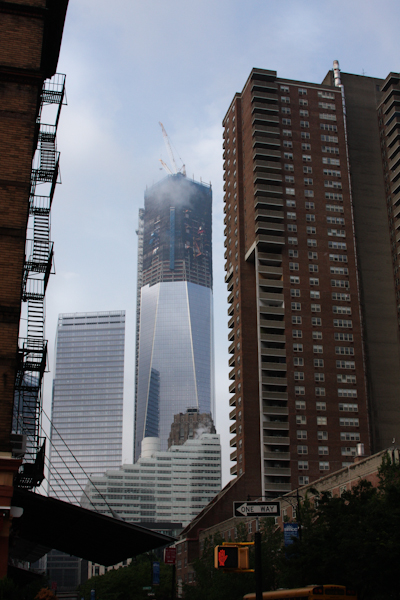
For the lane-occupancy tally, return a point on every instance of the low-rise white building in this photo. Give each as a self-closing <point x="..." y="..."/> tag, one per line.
<point x="172" y="485"/>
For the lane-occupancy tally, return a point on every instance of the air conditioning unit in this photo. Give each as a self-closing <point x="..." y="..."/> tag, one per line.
<point x="18" y="445"/>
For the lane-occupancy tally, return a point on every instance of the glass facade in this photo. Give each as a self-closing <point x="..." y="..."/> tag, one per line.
<point x="175" y="360"/>
<point x="87" y="400"/>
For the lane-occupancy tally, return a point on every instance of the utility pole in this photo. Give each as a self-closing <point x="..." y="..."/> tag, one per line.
<point x="258" y="560"/>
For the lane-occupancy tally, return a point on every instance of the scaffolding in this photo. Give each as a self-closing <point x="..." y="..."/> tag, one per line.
<point x="32" y="349"/>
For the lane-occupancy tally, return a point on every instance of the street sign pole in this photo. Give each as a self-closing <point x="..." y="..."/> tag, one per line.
<point x="258" y="560"/>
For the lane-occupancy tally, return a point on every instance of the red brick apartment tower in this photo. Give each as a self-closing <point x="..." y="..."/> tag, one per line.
<point x="30" y="38"/>
<point x="305" y="388"/>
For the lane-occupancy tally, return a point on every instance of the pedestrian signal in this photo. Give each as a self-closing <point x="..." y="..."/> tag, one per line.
<point x="231" y="557"/>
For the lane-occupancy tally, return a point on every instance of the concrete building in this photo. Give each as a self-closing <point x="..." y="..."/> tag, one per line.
<point x="189" y="425"/>
<point x="162" y="486"/>
<point x="87" y="400"/>
<point x="174" y="307"/>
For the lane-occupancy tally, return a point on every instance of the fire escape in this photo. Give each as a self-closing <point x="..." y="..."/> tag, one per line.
<point x="32" y="349"/>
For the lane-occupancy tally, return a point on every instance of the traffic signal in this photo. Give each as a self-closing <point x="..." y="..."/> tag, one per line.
<point x="231" y="557"/>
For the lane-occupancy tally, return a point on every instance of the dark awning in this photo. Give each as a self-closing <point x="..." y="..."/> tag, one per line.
<point x="49" y="523"/>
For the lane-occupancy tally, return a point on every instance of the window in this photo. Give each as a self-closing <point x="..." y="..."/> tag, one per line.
<point x="331" y="161"/>
<point x="349" y="422"/>
<point x="290" y="191"/>
<point x="332" y="173"/>
<point x="318" y="362"/>
<point x="305" y="135"/>
<point x="293" y="266"/>
<point x="341" y="283"/>
<point x="304" y="123"/>
<point x="286" y="121"/>
<point x="299" y="376"/>
<point x="303" y="113"/>
<point x="306" y="158"/>
<point x="297" y="347"/>
<point x="315" y="308"/>
<point x="320" y="391"/>
<point x="314" y="294"/>
<point x="298" y="361"/>
<point x="348" y="407"/>
<point x="333" y="196"/>
<point x="285" y="100"/>
<point x="323" y="450"/>
<point x="327" y="105"/>
<point x="296" y="306"/>
<point x="320" y="405"/>
<point x="314" y="280"/>
<point x="284" y="88"/>
<point x="294" y="279"/>
<point x="297" y="333"/>
<point x="342" y="323"/>
<point x="287" y="132"/>
<point x="345" y="364"/>
<point x="292" y="241"/>
<point x="308" y="181"/>
<point x="302" y="449"/>
<point x="306" y="146"/>
<point x="303" y="102"/>
<point x="316" y="321"/>
<point x="339" y="271"/>
<point x="317" y="335"/>
<point x="302" y="465"/>
<point x="346" y="378"/>
<point x="285" y="110"/>
<point x="319" y="377"/>
<point x="323" y="465"/>
<point x="288" y="156"/>
<point x="299" y="390"/>
<point x="288" y="167"/>
<point x="341" y="310"/>
<point x="302" y="92"/>
<point x="322" y="421"/>
<point x="329" y="138"/>
<point x="334" y="208"/>
<point x="318" y="349"/>
<point x="304" y="480"/>
<point x="349" y="451"/>
<point x="348" y="393"/>
<point x="313" y="268"/>
<point x="287" y="144"/>
<point x="310" y="205"/>
<point x="309" y="193"/>
<point x="307" y="169"/>
<point x="330" y="149"/>
<point x="322" y="435"/>
<point x="301" y="434"/>
<point x="300" y="405"/>
<point x="310" y="218"/>
<point x="292" y="227"/>
<point x="344" y="337"/>
<point x="312" y="243"/>
<point x="313" y="256"/>
<point x="301" y="420"/>
<point x="327" y="117"/>
<point x="291" y="203"/>
<point x="293" y="253"/>
<point x="296" y="320"/>
<point x="336" y="232"/>
<point x="349" y="436"/>
<point x="337" y="245"/>
<point x="344" y="350"/>
<point x="295" y="293"/>
<point x="338" y="257"/>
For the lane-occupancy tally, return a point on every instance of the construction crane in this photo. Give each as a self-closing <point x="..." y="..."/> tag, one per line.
<point x="171" y="155"/>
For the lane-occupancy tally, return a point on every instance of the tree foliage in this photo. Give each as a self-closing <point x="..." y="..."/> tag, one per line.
<point x="127" y="583"/>
<point x="351" y="540"/>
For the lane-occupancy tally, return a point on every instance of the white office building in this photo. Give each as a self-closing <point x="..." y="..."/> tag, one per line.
<point x="162" y="486"/>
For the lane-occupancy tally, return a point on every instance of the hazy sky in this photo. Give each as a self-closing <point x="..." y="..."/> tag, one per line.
<point x="131" y="64"/>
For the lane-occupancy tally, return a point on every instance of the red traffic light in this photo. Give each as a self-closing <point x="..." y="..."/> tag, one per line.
<point x="231" y="557"/>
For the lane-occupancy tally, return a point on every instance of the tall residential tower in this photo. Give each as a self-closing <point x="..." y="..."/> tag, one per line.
<point x="87" y="403"/>
<point x="175" y="362"/>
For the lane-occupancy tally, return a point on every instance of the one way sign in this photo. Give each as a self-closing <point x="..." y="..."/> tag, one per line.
<point x="258" y="509"/>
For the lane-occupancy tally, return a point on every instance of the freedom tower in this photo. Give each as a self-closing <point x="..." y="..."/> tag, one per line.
<point x="174" y="329"/>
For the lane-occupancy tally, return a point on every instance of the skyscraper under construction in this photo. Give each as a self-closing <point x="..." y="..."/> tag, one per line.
<point x="175" y="361"/>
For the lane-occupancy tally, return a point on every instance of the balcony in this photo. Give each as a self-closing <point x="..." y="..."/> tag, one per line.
<point x="272" y="337"/>
<point x="272" y="324"/>
<point x="279" y="381"/>
<point x="273" y="366"/>
<point x="274" y="396"/>
<point x="263" y="214"/>
<point x="267" y="242"/>
<point x="261" y="153"/>
<point x="232" y="361"/>
<point x="278" y="487"/>
<point x="277" y="471"/>
<point x="274" y="425"/>
<point x="276" y="285"/>
<point x="232" y="428"/>
<point x="275" y="410"/>
<point x="268" y="228"/>
<point x="233" y="470"/>
<point x="232" y="442"/>
<point x="273" y="352"/>
<point x="278" y="298"/>
<point x="232" y="401"/>
<point x="276" y="455"/>
<point x="232" y="374"/>
<point x="233" y="455"/>
<point x="267" y="166"/>
<point x="232" y="388"/>
<point x="231" y="348"/>
<point x="276" y="441"/>
<point x="232" y="415"/>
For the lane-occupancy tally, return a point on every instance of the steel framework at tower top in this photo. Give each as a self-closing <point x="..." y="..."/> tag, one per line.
<point x="32" y="351"/>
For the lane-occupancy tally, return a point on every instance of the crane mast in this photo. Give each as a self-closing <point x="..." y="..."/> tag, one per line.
<point x="171" y="155"/>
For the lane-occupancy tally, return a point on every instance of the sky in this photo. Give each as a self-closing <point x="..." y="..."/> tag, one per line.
<point x="131" y="64"/>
